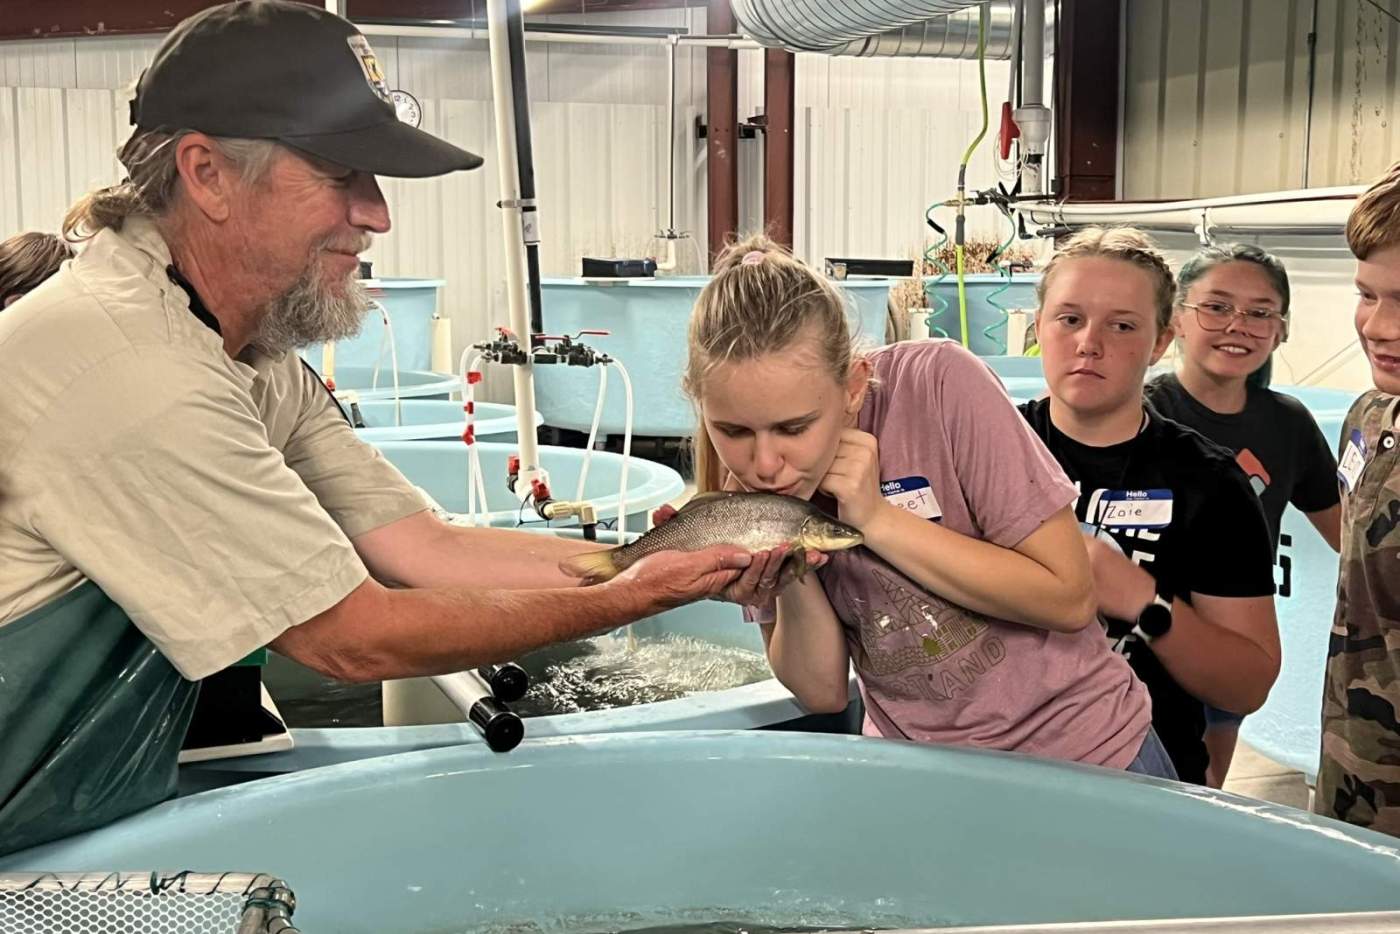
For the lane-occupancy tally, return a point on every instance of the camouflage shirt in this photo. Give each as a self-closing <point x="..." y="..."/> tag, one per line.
<point x="1359" y="775"/>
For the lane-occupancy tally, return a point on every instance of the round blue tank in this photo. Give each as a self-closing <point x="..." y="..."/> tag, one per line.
<point x="648" y="321"/>
<point x="1288" y="728"/>
<point x="413" y="384"/>
<point x="440" y="468"/>
<point x="411" y="304"/>
<point x="435" y="420"/>
<point x="986" y="321"/>
<point x="598" y="833"/>
<point x="764" y="704"/>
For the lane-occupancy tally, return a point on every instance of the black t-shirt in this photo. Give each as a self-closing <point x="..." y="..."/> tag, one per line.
<point x="1179" y="507"/>
<point x="1276" y="443"/>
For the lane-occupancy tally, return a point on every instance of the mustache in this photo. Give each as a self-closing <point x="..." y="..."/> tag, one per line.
<point x="360" y="243"/>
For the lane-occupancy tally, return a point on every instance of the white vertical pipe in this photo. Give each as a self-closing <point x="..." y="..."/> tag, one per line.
<point x="1033" y="59"/>
<point x="503" y="96"/>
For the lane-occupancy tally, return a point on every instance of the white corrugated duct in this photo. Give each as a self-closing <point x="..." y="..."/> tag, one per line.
<point x="926" y="28"/>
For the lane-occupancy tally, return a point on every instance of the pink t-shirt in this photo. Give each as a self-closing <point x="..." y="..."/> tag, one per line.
<point x="954" y="450"/>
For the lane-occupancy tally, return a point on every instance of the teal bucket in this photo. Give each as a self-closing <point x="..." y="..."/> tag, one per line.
<point x="647" y="321"/>
<point x="986" y="322"/>
<point x="626" y="831"/>
<point x="440" y="468"/>
<point x="435" y="420"/>
<point x="411" y="304"/>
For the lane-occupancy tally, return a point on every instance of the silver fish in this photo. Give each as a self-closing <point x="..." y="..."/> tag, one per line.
<point x="753" y="521"/>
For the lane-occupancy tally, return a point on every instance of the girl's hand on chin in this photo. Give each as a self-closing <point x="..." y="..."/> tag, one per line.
<point x="853" y="479"/>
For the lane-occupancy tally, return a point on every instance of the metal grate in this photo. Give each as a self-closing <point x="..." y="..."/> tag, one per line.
<point x="145" y="903"/>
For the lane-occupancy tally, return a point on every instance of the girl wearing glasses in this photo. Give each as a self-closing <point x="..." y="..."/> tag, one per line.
<point x="1231" y="313"/>
<point x="1178" y="543"/>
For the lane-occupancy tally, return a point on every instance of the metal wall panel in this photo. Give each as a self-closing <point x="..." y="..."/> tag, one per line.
<point x="876" y="143"/>
<point x="1216" y="95"/>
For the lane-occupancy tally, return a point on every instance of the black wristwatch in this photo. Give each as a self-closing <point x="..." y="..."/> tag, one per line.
<point x="1155" y="620"/>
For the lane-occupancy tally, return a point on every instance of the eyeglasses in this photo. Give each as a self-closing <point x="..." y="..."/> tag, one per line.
<point x="1217" y="316"/>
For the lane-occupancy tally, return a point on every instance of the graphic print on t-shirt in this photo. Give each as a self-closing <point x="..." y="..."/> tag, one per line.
<point x="1253" y="469"/>
<point x="939" y="649"/>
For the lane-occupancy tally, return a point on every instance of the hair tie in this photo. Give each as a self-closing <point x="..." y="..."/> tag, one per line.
<point x="752" y="258"/>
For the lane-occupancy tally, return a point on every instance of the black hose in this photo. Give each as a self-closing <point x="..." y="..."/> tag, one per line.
<point x="525" y="161"/>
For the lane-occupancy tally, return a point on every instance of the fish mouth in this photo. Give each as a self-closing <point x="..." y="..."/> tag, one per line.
<point x="816" y="540"/>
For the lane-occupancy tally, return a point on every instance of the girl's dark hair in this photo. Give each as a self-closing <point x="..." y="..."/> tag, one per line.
<point x="1210" y="257"/>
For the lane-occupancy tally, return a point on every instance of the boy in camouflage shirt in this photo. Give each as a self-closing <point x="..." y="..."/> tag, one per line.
<point x="1359" y="776"/>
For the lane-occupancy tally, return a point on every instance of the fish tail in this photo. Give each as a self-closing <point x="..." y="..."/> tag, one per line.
<point x="596" y="566"/>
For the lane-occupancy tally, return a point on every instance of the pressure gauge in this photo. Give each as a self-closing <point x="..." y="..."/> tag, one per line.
<point x="408" y="108"/>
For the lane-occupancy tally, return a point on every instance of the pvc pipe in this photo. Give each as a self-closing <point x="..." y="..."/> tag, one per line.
<point x="388" y="339"/>
<point x="918" y="323"/>
<point x="1318" y="210"/>
<point x="501" y="729"/>
<point x="626" y="449"/>
<point x="508" y="682"/>
<point x="441" y="359"/>
<point x="1032" y="116"/>
<point x="503" y="96"/>
<point x="533" y="34"/>
<point x="1033" y="57"/>
<point x="671" y="136"/>
<point x="592" y="432"/>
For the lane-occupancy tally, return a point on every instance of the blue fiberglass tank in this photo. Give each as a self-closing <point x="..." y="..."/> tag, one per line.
<point x="435" y="420"/>
<point x="989" y="297"/>
<point x="411" y="305"/>
<point x="601" y="833"/>
<point x="648" y="321"/>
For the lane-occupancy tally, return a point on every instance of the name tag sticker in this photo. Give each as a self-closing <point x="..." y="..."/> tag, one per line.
<point x="1136" y="509"/>
<point x="1353" y="461"/>
<point x="913" y="494"/>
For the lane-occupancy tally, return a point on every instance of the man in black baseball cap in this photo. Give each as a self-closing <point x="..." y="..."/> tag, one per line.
<point x="177" y="490"/>
<point x="294" y="73"/>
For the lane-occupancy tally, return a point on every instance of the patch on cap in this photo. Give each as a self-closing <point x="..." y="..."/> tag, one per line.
<point x="369" y="64"/>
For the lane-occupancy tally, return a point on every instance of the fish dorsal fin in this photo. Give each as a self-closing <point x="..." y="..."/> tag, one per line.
<point x="699" y="499"/>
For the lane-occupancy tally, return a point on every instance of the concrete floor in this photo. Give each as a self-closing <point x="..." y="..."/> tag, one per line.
<point x="1254" y="775"/>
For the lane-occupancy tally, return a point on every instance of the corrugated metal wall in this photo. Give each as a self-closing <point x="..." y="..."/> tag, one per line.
<point x="877" y="142"/>
<point x="1216" y="95"/>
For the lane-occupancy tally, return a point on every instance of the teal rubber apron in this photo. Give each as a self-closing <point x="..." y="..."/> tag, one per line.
<point x="92" y="716"/>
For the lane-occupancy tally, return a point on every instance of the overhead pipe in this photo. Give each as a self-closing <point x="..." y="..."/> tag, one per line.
<point x="555" y="32"/>
<point x="1312" y="211"/>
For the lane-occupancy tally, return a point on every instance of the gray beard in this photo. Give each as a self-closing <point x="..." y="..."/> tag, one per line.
<point x="308" y="313"/>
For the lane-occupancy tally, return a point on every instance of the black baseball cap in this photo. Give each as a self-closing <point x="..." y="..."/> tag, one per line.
<point x="299" y="74"/>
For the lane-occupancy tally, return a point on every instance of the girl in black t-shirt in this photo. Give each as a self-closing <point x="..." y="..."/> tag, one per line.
<point x="1231" y="314"/>
<point x="1179" y="546"/>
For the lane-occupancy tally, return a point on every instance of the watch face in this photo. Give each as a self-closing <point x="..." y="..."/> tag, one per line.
<point x="407" y="106"/>
<point x="1155" y="620"/>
